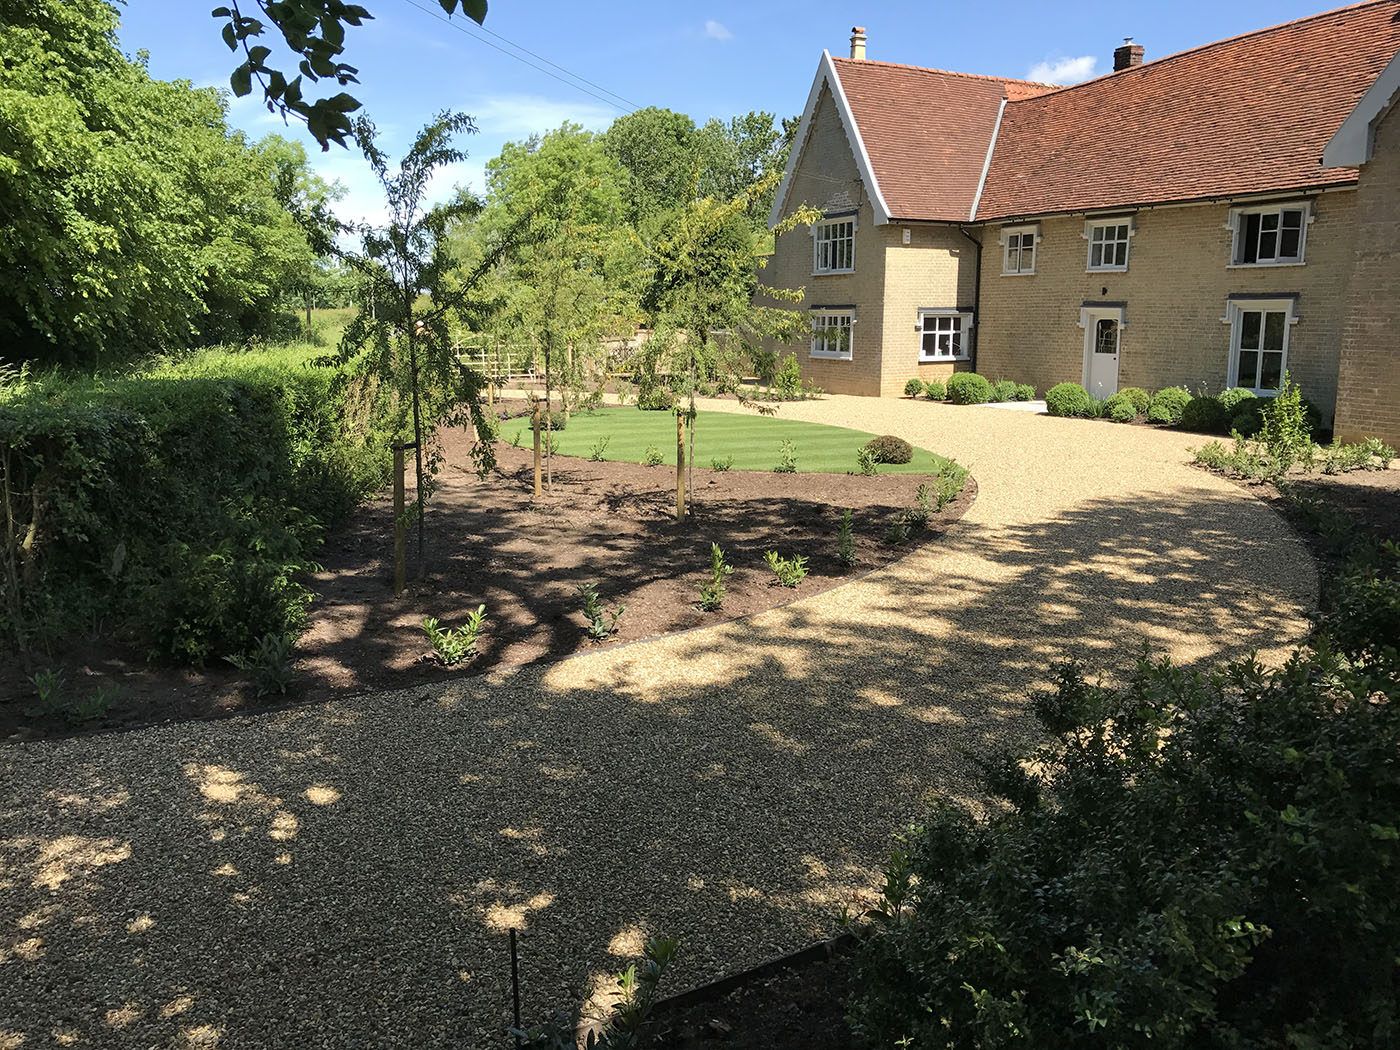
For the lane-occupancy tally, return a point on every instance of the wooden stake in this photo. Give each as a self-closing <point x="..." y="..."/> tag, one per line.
<point x="680" y="466"/>
<point x="535" y="420"/>
<point x="399" y="566"/>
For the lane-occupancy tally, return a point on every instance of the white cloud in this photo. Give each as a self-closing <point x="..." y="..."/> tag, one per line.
<point x="717" y="31"/>
<point x="1064" y="70"/>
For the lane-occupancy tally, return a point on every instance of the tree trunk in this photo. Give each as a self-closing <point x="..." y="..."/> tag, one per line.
<point x="536" y="423"/>
<point x="680" y="466"/>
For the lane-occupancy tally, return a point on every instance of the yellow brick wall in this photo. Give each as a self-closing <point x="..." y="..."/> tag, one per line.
<point x="826" y="178"/>
<point x="1368" y="395"/>
<point x="936" y="269"/>
<point x="1176" y="288"/>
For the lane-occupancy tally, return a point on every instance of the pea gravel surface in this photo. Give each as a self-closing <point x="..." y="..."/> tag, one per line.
<point x="345" y="875"/>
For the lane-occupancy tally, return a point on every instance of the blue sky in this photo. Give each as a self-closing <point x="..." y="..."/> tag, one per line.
<point x="713" y="59"/>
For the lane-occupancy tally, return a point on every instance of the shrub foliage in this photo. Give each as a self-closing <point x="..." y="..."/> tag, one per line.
<point x="968" y="388"/>
<point x="1068" y="399"/>
<point x="890" y="449"/>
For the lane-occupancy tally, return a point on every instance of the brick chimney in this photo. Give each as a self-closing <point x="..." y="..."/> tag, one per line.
<point x="1127" y="56"/>
<point x="858" y="41"/>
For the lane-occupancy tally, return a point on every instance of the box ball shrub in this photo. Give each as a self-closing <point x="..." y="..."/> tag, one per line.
<point x="1248" y="420"/>
<point x="1003" y="390"/>
<point x="1204" y="414"/>
<point x="1068" y="399"/>
<point x="1233" y="399"/>
<point x="968" y="388"/>
<point x="1120" y="408"/>
<point x="890" y="449"/>
<point x="1024" y="392"/>
<point x="913" y="388"/>
<point x="934" y="390"/>
<point x="1167" y="405"/>
<point x="1139" y="397"/>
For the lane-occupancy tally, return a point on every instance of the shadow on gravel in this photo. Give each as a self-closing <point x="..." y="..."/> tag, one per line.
<point x="345" y="875"/>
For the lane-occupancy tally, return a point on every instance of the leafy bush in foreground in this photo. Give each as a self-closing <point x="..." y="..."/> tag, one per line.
<point x="968" y="388"/>
<point x="712" y="593"/>
<point x="1139" y="397"/>
<point x="789" y="571"/>
<point x="1003" y="390"/>
<point x="1024" y="392"/>
<point x="1205" y="414"/>
<point x="1069" y="400"/>
<point x="1119" y="408"/>
<point x="935" y="390"/>
<point x="1196" y="861"/>
<point x="913" y="388"/>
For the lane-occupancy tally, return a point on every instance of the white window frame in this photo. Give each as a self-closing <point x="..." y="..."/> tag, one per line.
<point x="1235" y="310"/>
<point x="828" y="232"/>
<point x="964" y="319"/>
<point x="819" y="348"/>
<point x="1019" y="232"/>
<point x="1092" y="226"/>
<point x="1238" y="222"/>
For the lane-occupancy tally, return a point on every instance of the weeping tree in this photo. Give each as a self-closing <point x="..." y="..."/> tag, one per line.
<point x="400" y="337"/>
<point x="712" y="313"/>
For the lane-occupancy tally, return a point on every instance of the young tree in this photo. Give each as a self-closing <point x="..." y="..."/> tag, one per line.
<point x="573" y="282"/>
<point x="407" y="347"/>
<point x="708" y="303"/>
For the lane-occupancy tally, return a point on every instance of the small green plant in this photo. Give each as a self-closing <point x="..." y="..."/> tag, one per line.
<point x="1245" y="460"/>
<point x="917" y="516"/>
<point x="845" y="540"/>
<point x="968" y="388"/>
<point x="789" y="571"/>
<point x="1003" y="390"/>
<point x="1371" y="454"/>
<point x="596" y="450"/>
<point x="950" y="481"/>
<point x="727" y="463"/>
<point x="1139" y="397"/>
<point x="787" y="459"/>
<point x="519" y="434"/>
<point x="890" y="449"/>
<point x="934" y="390"/>
<point x="867" y="462"/>
<point x="1120" y="408"/>
<point x="268" y="664"/>
<point x="553" y="444"/>
<point x="601" y="623"/>
<point x="787" y="381"/>
<point x="1069" y="400"/>
<point x="626" y="1028"/>
<point x="897" y="531"/>
<point x="49" y="689"/>
<point x="1287" y="433"/>
<point x="1024" y="392"/>
<point x="913" y="388"/>
<point x="93" y="706"/>
<point x="712" y="593"/>
<point x="652" y="457"/>
<point x="455" y="644"/>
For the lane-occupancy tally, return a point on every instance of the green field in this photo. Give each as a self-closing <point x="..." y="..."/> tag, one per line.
<point x="752" y="440"/>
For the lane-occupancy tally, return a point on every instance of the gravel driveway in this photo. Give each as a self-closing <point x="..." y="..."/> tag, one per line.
<point x="344" y="875"/>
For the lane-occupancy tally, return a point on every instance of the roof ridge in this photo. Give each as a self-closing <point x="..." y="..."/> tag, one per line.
<point x="1158" y="62"/>
<point x="969" y="76"/>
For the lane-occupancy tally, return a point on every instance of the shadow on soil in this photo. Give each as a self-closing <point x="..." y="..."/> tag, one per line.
<point x="345" y="875"/>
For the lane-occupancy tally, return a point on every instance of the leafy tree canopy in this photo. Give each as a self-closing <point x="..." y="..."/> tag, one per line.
<point x="131" y="218"/>
<point x="314" y="32"/>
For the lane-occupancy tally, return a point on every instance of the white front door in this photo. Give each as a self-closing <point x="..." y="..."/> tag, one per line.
<point x="1102" y="333"/>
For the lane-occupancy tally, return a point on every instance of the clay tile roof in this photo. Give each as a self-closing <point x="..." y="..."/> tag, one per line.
<point x="1245" y="115"/>
<point x="926" y="132"/>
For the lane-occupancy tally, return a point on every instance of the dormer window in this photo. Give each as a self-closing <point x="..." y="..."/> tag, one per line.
<point x="834" y="245"/>
<point x="1019" y="244"/>
<point x="1270" y="235"/>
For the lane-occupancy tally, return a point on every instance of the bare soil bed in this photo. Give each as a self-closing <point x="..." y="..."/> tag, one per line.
<point x="488" y="542"/>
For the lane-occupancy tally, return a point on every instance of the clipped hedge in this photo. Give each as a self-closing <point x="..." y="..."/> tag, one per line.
<point x="913" y="388"/>
<point x="935" y="390"/>
<point x="889" y="449"/>
<point x="183" y="505"/>
<point x="1024" y="392"/>
<point x="1119" y="408"/>
<point x="1139" y="397"/>
<point x="1068" y="399"/>
<point x="1205" y="414"/>
<point x="968" y="388"/>
<point x="1168" y="404"/>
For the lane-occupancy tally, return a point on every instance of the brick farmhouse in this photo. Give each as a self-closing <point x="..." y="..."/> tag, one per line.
<point x="1170" y="223"/>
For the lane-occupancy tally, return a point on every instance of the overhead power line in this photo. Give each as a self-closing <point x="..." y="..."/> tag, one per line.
<point x="629" y="105"/>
